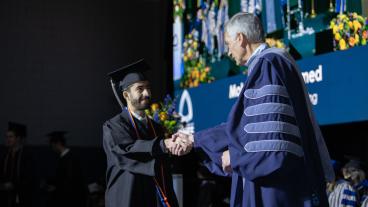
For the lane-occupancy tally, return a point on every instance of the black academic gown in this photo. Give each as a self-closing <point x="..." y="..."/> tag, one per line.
<point x="133" y="163"/>
<point x="69" y="186"/>
<point x="17" y="169"/>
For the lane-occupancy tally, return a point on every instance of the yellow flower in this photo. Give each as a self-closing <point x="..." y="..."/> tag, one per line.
<point x="357" y="38"/>
<point x="190" y="53"/>
<point x="203" y="76"/>
<point x="355" y="15"/>
<point x="364" y="42"/>
<point x="337" y="36"/>
<point x="341" y="26"/>
<point x="194" y="73"/>
<point x="332" y="24"/>
<point x="351" y="41"/>
<point x="185" y="58"/>
<point x="195" y="45"/>
<point x="342" y="44"/>
<point x="342" y="16"/>
<point x="147" y="111"/>
<point x="163" y="116"/>
<point x="155" y="107"/>
<point x="350" y="24"/>
<point x="334" y="29"/>
<point x="357" y="25"/>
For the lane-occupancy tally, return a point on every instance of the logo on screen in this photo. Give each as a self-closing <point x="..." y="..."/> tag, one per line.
<point x="187" y="118"/>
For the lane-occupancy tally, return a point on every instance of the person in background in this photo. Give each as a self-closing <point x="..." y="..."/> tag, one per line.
<point x="341" y="193"/>
<point x="353" y="171"/>
<point x="67" y="187"/>
<point x="16" y="174"/>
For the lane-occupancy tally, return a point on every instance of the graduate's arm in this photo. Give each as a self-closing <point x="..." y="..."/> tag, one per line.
<point x="264" y="138"/>
<point x="210" y="145"/>
<point x="137" y="156"/>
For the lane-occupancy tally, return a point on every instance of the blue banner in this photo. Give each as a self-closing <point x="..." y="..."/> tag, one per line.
<point x="337" y="84"/>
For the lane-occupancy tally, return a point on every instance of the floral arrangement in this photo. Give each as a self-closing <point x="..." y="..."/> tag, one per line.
<point x="179" y="7"/>
<point x="349" y="30"/>
<point x="195" y="69"/>
<point x="275" y="43"/>
<point x="165" y="114"/>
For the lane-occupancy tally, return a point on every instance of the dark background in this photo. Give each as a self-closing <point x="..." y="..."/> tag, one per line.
<point x="54" y="57"/>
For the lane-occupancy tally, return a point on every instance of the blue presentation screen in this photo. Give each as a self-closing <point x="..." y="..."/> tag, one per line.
<point x="337" y="84"/>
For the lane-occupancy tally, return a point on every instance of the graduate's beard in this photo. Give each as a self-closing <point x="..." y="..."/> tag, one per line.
<point x="138" y="105"/>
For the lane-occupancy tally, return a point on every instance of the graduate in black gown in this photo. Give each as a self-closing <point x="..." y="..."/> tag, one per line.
<point x="16" y="175"/>
<point x="138" y="172"/>
<point x="67" y="187"/>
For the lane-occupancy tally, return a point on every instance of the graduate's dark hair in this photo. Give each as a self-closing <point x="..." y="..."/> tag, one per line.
<point x="128" y="89"/>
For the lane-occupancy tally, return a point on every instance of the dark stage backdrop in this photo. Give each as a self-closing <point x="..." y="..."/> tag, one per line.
<point x="54" y="56"/>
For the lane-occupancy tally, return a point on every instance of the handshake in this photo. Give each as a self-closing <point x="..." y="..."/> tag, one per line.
<point x="182" y="143"/>
<point x="179" y="144"/>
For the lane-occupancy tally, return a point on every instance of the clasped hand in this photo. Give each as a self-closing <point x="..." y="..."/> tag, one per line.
<point x="179" y="144"/>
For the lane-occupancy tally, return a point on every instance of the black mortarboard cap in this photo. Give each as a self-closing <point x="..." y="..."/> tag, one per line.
<point x="56" y="136"/>
<point x="127" y="75"/>
<point x="18" y="129"/>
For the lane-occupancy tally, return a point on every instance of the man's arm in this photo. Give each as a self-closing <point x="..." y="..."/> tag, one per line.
<point x="211" y="145"/>
<point x="130" y="154"/>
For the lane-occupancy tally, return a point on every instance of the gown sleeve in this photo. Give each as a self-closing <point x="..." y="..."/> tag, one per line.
<point x="264" y="137"/>
<point x="210" y="144"/>
<point x="129" y="153"/>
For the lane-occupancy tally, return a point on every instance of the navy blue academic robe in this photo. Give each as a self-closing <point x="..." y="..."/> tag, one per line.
<point x="133" y="163"/>
<point x="277" y="153"/>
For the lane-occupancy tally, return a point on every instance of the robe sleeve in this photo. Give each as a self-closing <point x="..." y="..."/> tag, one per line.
<point x="264" y="137"/>
<point x="210" y="144"/>
<point x="128" y="153"/>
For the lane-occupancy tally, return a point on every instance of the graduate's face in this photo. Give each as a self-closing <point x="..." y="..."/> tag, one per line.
<point x="237" y="48"/>
<point x="138" y="95"/>
<point x="11" y="139"/>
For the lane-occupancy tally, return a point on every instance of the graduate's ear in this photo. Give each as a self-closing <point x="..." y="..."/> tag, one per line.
<point x="126" y="95"/>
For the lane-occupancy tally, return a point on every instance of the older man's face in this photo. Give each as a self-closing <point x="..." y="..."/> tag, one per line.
<point x="236" y="48"/>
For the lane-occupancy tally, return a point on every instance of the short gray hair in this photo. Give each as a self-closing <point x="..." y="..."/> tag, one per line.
<point x="247" y="24"/>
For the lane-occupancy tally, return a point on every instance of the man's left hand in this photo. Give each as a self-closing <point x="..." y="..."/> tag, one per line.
<point x="225" y="158"/>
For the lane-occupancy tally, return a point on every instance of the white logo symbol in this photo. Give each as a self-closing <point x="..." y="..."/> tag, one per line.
<point x="185" y="99"/>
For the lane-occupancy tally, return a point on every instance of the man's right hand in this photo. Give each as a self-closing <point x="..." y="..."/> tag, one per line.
<point x="180" y="144"/>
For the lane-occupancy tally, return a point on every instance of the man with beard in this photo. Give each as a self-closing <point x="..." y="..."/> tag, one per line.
<point x="138" y="171"/>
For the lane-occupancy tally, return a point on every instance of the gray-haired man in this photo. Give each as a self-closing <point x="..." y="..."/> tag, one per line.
<point x="271" y="144"/>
